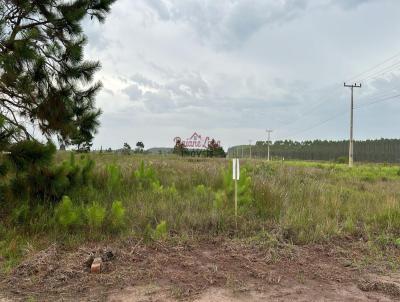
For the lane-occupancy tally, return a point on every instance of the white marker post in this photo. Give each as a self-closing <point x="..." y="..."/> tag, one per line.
<point x="236" y="176"/>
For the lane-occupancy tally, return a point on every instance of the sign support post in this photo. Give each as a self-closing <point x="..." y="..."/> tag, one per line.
<point x="236" y="175"/>
<point x="236" y="206"/>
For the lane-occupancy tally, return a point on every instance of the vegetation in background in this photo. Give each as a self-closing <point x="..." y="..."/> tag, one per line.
<point x="179" y="147"/>
<point x="379" y="150"/>
<point x="215" y="149"/>
<point x="139" y="147"/>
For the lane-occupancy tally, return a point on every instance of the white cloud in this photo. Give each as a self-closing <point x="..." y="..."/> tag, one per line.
<point x="231" y="68"/>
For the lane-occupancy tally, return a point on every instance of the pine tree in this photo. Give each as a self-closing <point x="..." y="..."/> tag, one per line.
<point x="126" y="148"/>
<point x="215" y="149"/>
<point x="44" y="80"/>
<point x="139" y="147"/>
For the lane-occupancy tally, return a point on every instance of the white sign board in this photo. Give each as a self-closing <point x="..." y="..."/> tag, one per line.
<point x="235" y="169"/>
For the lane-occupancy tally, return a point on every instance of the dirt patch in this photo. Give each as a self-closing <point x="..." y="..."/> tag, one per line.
<point x="389" y="285"/>
<point x="279" y="293"/>
<point x="212" y="270"/>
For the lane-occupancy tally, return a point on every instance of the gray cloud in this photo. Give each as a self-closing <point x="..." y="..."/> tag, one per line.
<point x="349" y="4"/>
<point x="142" y="80"/>
<point x="227" y="24"/>
<point x="160" y="7"/>
<point x="133" y="91"/>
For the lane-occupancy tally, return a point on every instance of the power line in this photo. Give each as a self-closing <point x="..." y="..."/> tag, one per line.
<point x="316" y="125"/>
<point x="373" y="67"/>
<point x="378" y="101"/>
<point x="377" y="73"/>
<point x="341" y="113"/>
<point x="382" y="71"/>
<point x="385" y="93"/>
<point x="302" y="116"/>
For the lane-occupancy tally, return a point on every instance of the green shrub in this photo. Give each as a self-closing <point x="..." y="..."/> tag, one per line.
<point x="40" y="179"/>
<point x="117" y="215"/>
<point x="144" y="176"/>
<point x="87" y="171"/>
<point x="66" y="214"/>
<point x="341" y="160"/>
<point x="156" y="187"/>
<point x="220" y="200"/>
<point x="171" y="191"/>
<point x="30" y="154"/>
<point x="161" y="231"/>
<point x="200" y="190"/>
<point x="20" y="214"/>
<point x="113" y="177"/>
<point x="95" y="215"/>
<point x="48" y="183"/>
<point x="244" y="192"/>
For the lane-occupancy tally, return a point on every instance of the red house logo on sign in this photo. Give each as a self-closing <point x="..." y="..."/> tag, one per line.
<point x="196" y="141"/>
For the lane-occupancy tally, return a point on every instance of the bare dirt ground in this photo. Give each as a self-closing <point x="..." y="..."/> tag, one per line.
<point x="220" y="270"/>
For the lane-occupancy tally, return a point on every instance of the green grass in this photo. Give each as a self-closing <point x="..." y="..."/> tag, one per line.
<point x="157" y="198"/>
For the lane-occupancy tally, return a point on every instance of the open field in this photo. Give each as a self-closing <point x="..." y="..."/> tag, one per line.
<point x="303" y="229"/>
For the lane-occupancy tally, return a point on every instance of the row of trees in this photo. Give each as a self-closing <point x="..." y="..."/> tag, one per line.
<point x="128" y="149"/>
<point x="214" y="149"/>
<point x="379" y="150"/>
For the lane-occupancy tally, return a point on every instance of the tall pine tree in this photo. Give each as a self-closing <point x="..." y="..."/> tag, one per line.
<point x="44" y="81"/>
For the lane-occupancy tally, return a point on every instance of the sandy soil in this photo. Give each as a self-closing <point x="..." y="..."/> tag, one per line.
<point x="206" y="271"/>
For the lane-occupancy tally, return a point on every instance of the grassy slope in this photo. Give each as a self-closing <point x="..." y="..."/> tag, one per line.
<point x="299" y="202"/>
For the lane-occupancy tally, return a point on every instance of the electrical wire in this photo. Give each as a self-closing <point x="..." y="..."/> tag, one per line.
<point x="369" y="75"/>
<point x="340" y="114"/>
<point x="373" y="67"/>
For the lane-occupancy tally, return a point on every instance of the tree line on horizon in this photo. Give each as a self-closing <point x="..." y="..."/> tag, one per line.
<point x="376" y="150"/>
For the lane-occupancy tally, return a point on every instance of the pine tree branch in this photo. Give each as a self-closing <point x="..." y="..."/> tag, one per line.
<point x="14" y="121"/>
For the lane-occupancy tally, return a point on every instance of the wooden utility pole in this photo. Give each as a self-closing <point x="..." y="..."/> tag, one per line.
<point x="351" y="143"/>
<point x="250" y="147"/>
<point x="269" y="137"/>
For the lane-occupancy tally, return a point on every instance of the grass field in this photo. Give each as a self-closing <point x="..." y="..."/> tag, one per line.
<point x="178" y="199"/>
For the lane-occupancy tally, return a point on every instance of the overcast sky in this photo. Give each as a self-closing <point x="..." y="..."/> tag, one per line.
<point x="229" y="69"/>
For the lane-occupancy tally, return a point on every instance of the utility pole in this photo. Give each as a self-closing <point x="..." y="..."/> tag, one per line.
<point x="250" y="147"/>
<point x="351" y="143"/>
<point x="269" y="135"/>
